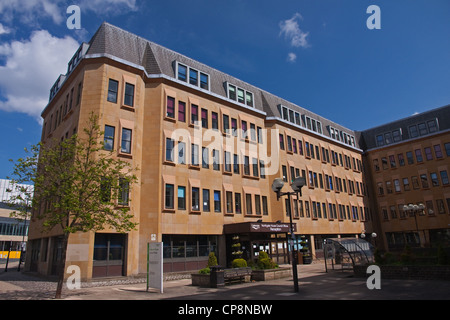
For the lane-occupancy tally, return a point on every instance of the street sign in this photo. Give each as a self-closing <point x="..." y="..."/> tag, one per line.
<point x="155" y="266"/>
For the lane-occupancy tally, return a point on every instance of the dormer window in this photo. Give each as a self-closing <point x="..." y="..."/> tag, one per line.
<point x="240" y="95"/>
<point x="192" y="76"/>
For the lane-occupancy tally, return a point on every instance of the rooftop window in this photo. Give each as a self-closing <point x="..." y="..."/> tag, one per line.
<point x="192" y="76"/>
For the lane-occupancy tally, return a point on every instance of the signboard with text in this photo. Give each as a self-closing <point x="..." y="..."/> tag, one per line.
<point x="155" y="266"/>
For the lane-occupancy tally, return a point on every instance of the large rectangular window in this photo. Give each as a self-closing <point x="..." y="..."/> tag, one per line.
<point x="204" y="118"/>
<point x="169" y="149"/>
<point x="181" y="198"/>
<point x="194" y="155"/>
<point x="108" y="143"/>
<point x="182" y="72"/>
<point x="170" y="108"/>
<point x="217" y="202"/>
<point x="206" y="201"/>
<point x="194" y="114"/>
<point x="229" y="198"/>
<point x="129" y="95"/>
<point x="181" y="111"/>
<point x="126" y="141"/>
<point x="113" y="87"/>
<point x="169" y="197"/>
<point x="124" y="192"/>
<point x="195" y="199"/>
<point x="237" y="203"/>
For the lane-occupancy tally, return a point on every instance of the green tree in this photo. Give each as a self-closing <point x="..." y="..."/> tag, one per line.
<point x="78" y="186"/>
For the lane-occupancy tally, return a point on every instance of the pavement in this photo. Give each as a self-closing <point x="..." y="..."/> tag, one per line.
<point x="314" y="284"/>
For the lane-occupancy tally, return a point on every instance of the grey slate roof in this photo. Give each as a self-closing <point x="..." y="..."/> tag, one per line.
<point x="156" y="59"/>
<point x="442" y="114"/>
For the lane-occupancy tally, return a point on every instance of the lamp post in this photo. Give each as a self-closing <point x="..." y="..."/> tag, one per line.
<point x="414" y="209"/>
<point x="296" y="185"/>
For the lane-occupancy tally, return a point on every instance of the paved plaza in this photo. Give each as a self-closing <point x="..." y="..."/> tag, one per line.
<point x="314" y="284"/>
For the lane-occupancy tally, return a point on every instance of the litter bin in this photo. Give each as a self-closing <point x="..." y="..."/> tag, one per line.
<point x="216" y="277"/>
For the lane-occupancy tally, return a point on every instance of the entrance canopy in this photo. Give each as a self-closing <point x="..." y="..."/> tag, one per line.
<point x="252" y="227"/>
<point x="347" y="252"/>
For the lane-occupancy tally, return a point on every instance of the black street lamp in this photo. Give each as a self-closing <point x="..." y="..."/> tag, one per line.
<point x="413" y="210"/>
<point x="296" y="185"/>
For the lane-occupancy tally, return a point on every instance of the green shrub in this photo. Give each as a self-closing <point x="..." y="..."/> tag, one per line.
<point x="239" y="263"/>
<point x="264" y="262"/>
<point x="206" y="270"/>
<point x="212" y="260"/>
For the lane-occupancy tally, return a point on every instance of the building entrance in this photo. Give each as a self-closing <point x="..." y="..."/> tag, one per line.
<point x="258" y="236"/>
<point x="109" y="255"/>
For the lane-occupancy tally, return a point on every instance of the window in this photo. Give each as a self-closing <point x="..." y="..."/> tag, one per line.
<point x="409" y="157"/>
<point x="424" y="180"/>
<point x="205" y="158"/>
<point x="216" y="160"/>
<point x="234" y="127"/>
<point x="380" y="140"/>
<point x="401" y="160"/>
<point x="252" y="132"/>
<point x="447" y="149"/>
<point x="108" y="143"/>
<point x="195" y="194"/>
<point x="257" y="204"/>
<point x="265" y="206"/>
<point x="415" y="182"/>
<point x="126" y="141"/>
<point x="193" y="77"/>
<point x="204" y="118"/>
<point x="428" y="153"/>
<point x="440" y="206"/>
<point x="182" y="72"/>
<point x="181" y="111"/>
<point x="194" y="155"/>
<point x="229" y="199"/>
<point x="255" y="167"/>
<point x="406" y="184"/>
<point x="169" y="197"/>
<point x="444" y="177"/>
<point x="113" y="87"/>
<point x="181" y="198"/>
<point x="392" y="161"/>
<point x="225" y="123"/>
<point x="170" y="107"/>
<point x="231" y="92"/>
<point x="194" y="114"/>
<point x="240" y="95"/>
<point x="206" y="201"/>
<point x="237" y="203"/>
<point x="214" y="121"/>
<point x="204" y="81"/>
<point x="418" y="153"/>
<point x="413" y="132"/>
<point x="432" y="126"/>
<point x="281" y="141"/>
<point x="247" y="165"/>
<point x="129" y="95"/>
<point x="438" y="151"/>
<point x="397" y="185"/>
<point x="227" y="161"/>
<point x="170" y="144"/>
<point x="124" y="190"/>
<point x="181" y="153"/>
<point x="434" y="179"/>
<point x="217" y="204"/>
<point x="422" y="129"/>
<point x="248" y="203"/>
<point x="105" y="190"/>
<point x="262" y="171"/>
<point x="235" y="164"/>
<point x="244" y="129"/>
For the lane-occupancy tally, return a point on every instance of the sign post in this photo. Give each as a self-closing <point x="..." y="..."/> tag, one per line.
<point x="155" y="266"/>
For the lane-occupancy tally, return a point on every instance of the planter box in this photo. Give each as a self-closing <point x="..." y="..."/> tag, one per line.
<point x="201" y="280"/>
<point x="271" y="274"/>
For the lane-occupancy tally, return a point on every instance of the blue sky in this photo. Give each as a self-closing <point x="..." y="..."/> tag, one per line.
<point x="317" y="54"/>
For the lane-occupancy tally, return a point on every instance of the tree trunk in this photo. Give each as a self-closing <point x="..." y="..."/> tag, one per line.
<point x="62" y="267"/>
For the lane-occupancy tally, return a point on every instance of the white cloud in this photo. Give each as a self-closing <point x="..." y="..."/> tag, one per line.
<point x="32" y="67"/>
<point x="292" y="57"/>
<point x="29" y="11"/>
<point x="4" y="30"/>
<point x="293" y="33"/>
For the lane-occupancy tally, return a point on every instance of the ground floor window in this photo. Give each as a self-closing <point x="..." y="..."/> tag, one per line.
<point x="188" y="246"/>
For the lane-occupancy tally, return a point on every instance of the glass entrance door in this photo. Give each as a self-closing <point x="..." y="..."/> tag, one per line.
<point x="109" y="255"/>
